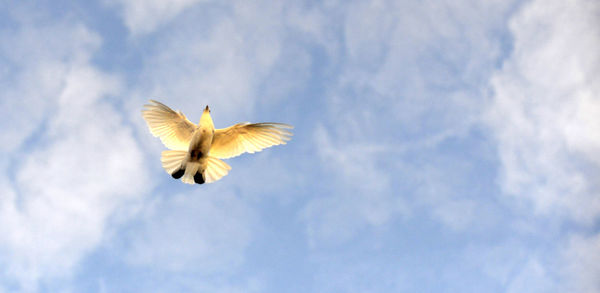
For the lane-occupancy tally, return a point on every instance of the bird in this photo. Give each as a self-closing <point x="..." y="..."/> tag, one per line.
<point x="195" y="150"/>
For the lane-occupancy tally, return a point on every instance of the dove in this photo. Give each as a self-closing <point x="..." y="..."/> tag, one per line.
<point x="195" y="150"/>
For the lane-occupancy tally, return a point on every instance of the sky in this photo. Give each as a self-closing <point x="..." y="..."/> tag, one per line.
<point x="439" y="146"/>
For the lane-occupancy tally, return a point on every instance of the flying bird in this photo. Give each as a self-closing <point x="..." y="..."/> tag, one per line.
<point x="196" y="149"/>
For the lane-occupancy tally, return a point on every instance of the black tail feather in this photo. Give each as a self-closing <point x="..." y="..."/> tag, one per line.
<point x="177" y="174"/>
<point x="199" y="178"/>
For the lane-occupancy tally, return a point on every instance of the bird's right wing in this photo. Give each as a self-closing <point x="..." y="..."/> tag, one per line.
<point x="173" y="128"/>
<point x="245" y="137"/>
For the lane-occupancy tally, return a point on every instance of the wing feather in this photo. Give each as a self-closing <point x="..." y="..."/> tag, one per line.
<point x="173" y="128"/>
<point x="246" y="137"/>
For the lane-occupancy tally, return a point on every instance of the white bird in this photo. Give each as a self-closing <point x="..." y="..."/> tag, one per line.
<point x="196" y="150"/>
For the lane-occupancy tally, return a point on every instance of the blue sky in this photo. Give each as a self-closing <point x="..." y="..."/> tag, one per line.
<point x="439" y="146"/>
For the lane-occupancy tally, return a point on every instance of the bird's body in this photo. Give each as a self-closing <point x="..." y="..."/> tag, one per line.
<point x="196" y="160"/>
<point x="196" y="150"/>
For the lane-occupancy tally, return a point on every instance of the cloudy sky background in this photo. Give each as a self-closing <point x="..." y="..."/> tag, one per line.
<point x="439" y="146"/>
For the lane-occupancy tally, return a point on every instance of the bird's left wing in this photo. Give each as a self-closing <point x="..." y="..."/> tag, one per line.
<point x="246" y="137"/>
<point x="173" y="128"/>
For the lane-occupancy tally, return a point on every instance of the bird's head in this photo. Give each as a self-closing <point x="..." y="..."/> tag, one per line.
<point x="205" y="118"/>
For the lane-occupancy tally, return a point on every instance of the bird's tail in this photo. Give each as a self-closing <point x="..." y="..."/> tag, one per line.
<point x="173" y="162"/>
<point x="215" y="169"/>
<point x="177" y="165"/>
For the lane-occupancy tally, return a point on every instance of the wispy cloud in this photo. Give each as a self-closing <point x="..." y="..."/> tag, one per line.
<point x="223" y="63"/>
<point x="407" y="79"/>
<point x="581" y="261"/>
<point x="414" y="121"/>
<point x="71" y="165"/>
<point x="360" y="192"/>
<point x="203" y="232"/>
<point x="545" y="117"/>
<point x="546" y="109"/>
<point x="142" y="17"/>
<point x="30" y="83"/>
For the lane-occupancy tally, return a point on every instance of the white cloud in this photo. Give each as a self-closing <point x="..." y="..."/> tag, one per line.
<point x="581" y="260"/>
<point x="532" y="276"/>
<point x="360" y="192"/>
<point x="186" y="282"/>
<point x="513" y="265"/>
<point x="145" y="16"/>
<point x="316" y="24"/>
<point x="498" y="261"/>
<point x="223" y="65"/>
<point x="546" y="110"/>
<point x="458" y="214"/>
<point x="71" y="168"/>
<point x="206" y="232"/>
<point x="367" y="29"/>
<point x="36" y="72"/>
<point x="518" y="266"/>
<point x="367" y="275"/>
<point x="424" y="60"/>
<point x="269" y="172"/>
<point x="409" y="78"/>
<point x="546" y="119"/>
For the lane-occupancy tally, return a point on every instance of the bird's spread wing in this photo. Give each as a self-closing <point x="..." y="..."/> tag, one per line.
<point x="173" y="128"/>
<point x="245" y="137"/>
